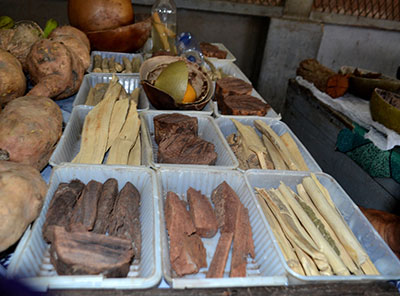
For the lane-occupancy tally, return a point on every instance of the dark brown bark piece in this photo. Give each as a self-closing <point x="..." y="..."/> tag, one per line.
<point x="85" y="210"/>
<point x="192" y="257"/>
<point x="226" y="205"/>
<point x="212" y="51"/>
<point x="202" y="213"/>
<point x="125" y="217"/>
<point x="105" y="206"/>
<point x="87" y="253"/>
<point x="242" y="105"/>
<point x="242" y="244"/>
<point x="325" y="79"/>
<point x="168" y="124"/>
<point x="217" y="266"/>
<point x="60" y="208"/>
<point x="186" y="149"/>
<point x="231" y="86"/>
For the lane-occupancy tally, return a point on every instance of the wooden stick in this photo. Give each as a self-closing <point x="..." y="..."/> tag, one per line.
<point x="276" y="140"/>
<point x="346" y="236"/>
<point x="334" y="260"/>
<point x="342" y="251"/>
<point x="294" y="151"/>
<point x="285" y="246"/>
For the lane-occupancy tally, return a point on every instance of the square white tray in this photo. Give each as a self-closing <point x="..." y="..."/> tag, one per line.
<point x="381" y="255"/>
<point x="265" y="270"/>
<point x="31" y="262"/>
<point x="207" y="130"/>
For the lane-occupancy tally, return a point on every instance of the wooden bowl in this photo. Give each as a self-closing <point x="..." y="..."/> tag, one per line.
<point x="384" y="112"/>
<point x="128" y="38"/>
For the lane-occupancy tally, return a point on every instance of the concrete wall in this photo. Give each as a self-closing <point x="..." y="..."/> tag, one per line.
<point x="290" y="41"/>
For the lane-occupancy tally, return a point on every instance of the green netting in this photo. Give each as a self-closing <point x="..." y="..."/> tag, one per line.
<point x="375" y="162"/>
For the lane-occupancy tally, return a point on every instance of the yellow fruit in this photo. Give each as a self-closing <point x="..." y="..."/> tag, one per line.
<point x="190" y="95"/>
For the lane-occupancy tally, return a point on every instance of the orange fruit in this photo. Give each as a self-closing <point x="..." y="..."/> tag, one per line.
<point x="190" y="94"/>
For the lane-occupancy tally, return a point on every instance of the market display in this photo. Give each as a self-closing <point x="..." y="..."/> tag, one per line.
<point x="98" y="216"/>
<point x="181" y="145"/>
<point x="30" y="128"/>
<point x="229" y="216"/>
<point x="312" y="234"/>
<point x="22" y="193"/>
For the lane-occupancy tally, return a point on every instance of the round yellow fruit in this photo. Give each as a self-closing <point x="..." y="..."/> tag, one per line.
<point x="190" y="95"/>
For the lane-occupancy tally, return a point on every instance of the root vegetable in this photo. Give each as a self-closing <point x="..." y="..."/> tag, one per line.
<point x="22" y="191"/>
<point x="56" y="66"/>
<point x="30" y="128"/>
<point x="12" y="78"/>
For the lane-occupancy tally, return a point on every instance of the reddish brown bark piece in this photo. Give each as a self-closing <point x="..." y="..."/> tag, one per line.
<point x="226" y="205"/>
<point x="79" y="253"/>
<point x="168" y="124"/>
<point x="242" y="105"/>
<point x="186" y="251"/>
<point x="105" y="206"/>
<point x="212" y="51"/>
<point x="202" y="213"/>
<point x="125" y="217"/>
<point x="186" y="149"/>
<point x="61" y="206"/>
<point x="85" y="210"/>
<point x="192" y="256"/>
<point x="325" y="79"/>
<point x="243" y="245"/>
<point x="231" y="86"/>
<point x="217" y="266"/>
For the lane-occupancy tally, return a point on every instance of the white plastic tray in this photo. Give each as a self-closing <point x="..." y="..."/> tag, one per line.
<point x="381" y="255"/>
<point x="230" y="69"/>
<point x="265" y="270"/>
<point x="31" y="262"/>
<point x="230" y="58"/>
<point x="227" y="127"/>
<point x="70" y="141"/>
<point x="207" y="130"/>
<point x="117" y="55"/>
<point x="129" y="82"/>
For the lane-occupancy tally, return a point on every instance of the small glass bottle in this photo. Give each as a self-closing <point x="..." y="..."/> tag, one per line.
<point x="163" y="30"/>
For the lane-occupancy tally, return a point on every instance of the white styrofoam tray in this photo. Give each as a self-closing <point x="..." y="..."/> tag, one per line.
<point x="129" y="82"/>
<point x="265" y="269"/>
<point x="229" y="69"/>
<point x="270" y="113"/>
<point x="117" y="55"/>
<point x="381" y="255"/>
<point x="230" y="58"/>
<point x="31" y="261"/>
<point x="207" y="130"/>
<point x="227" y="127"/>
<point x="70" y="141"/>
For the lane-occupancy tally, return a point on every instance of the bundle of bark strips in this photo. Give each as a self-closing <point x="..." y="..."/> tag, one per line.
<point x="311" y="233"/>
<point x="96" y="222"/>
<point x="268" y="151"/>
<point x="112" y="127"/>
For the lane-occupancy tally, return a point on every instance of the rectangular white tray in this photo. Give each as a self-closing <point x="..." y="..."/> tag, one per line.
<point x="31" y="262"/>
<point x="265" y="270"/>
<point x="70" y="141"/>
<point x="381" y="255"/>
<point x="117" y="55"/>
<point x="230" y="69"/>
<point x="207" y="130"/>
<point x="129" y="82"/>
<point x="230" y="58"/>
<point x="227" y="127"/>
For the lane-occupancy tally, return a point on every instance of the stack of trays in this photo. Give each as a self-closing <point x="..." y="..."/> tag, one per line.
<point x="153" y="180"/>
